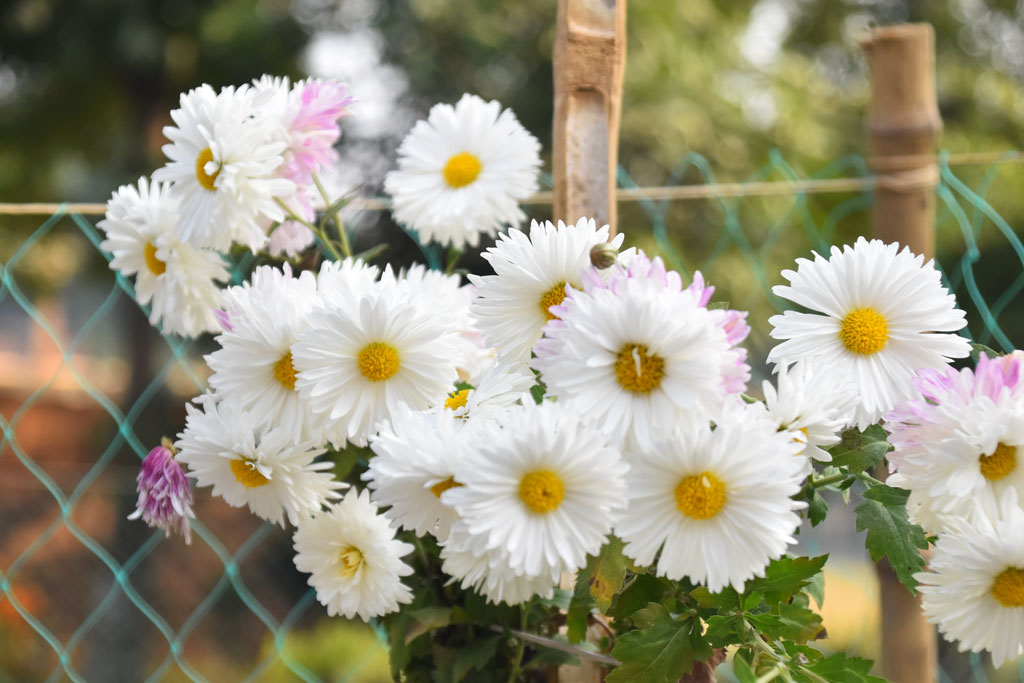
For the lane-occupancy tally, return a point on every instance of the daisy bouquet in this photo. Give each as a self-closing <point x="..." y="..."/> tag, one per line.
<point x="560" y="460"/>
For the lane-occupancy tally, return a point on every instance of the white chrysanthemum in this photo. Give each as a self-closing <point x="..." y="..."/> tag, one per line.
<point x="414" y="466"/>
<point x="246" y="465"/>
<point x="223" y="155"/>
<point x="882" y="315"/>
<point x="531" y="274"/>
<point x="975" y="589"/>
<point x="462" y="173"/>
<point x="634" y="356"/>
<point x="340" y="283"/>
<point x="501" y="386"/>
<point x="811" y="405"/>
<point x="975" y="453"/>
<point x="353" y="559"/>
<point x="488" y="571"/>
<point x="254" y="364"/>
<point x="175" y="278"/>
<point x="716" y="503"/>
<point x="364" y="356"/>
<point x="447" y="296"/>
<point x="541" y="485"/>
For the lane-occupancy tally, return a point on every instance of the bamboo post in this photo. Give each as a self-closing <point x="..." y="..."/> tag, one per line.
<point x="588" y="63"/>
<point x="589" y="60"/>
<point x="903" y="123"/>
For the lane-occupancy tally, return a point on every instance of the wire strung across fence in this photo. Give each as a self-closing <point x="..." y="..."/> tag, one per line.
<point x="738" y="234"/>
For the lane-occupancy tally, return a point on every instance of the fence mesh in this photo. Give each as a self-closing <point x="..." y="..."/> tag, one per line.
<point x="87" y="388"/>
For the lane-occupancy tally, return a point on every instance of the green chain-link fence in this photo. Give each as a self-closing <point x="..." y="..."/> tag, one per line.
<point x="87" y="388"/>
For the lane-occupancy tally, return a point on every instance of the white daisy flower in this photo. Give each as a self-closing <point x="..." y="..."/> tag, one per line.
<point x="223" y="158"/>
<point x="634" y="354"/>
<point x="462" y="173"/>
<point x="531" y="275"/>
<point x="959" y="446"/>
<point x="353" y="559"/>
<point x="447" y="296"/>
<point x="254" y="362"/>
<point x="501" y="386"/>
<point x="340" y="283"/>
<point x="178" y="281"/>
<point x="489" y="574"/>
<point x="882" y="315"/>
<point x="975" y="589"/>
<point x="364" y="356"/>
<point x="263" y="469"/>
<point x="541" y="485"/>
<point x="811" y="405"/>
<point x="716" y="503"/>
<point x="414" y="466"/>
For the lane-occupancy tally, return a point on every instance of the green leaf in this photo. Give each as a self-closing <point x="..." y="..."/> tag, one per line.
<point x="427" y="619"/>
<point x="883" y="515"/>
<point x="792" y="622"/>
<point x="607" y="571"/>
<point x="644" y="589"/>
<point x="721" y="630"/>
<point x="742" y="671"/>
<point x="371" y="253"/>
<point x="537" y="391"/>
<point x="978" y="349"/>
<point x="786" y="576"/>
<point x="843" y="669"/>
<point x="861" y="451"/>
<point x="475" y="655"/>
<point x="816" y="589"/>
<point x="817" y="508"/>
<point x="662" y="650"/>
<point x="726" y="598"/>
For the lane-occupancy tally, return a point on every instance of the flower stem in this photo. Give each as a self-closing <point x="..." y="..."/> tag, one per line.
<point x="342" y="233"/>
<point x="453" y="259"/>
<point x="517" y="663"/>
<point x="316" y="230"/>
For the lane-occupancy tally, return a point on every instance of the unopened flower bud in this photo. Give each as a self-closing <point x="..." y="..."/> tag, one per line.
<point x="603" y="255"/>
<point x="165" y="498"/>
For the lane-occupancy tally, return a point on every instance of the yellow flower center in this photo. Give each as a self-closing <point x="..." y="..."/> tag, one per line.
<point x="1000" y="463"/>
<point x="542" y="491"/>
<point x="1008" y="588"/>
<point x="247" y="475"/>
<point x="552" y="297"/>
<point x="155" y="265"/>
<point x="461" y="170"/>
<point x="700" y="496"/>
<point x="284" y="371"/>
<point x="638" y="371"/>
<point x="440" y="487"/>
<point x="351" y="560"/>
<point x="205" y="179"/>
<point x="379" y="361"/>
<point x="456" y="399"/>
<point x="864" y="331"/>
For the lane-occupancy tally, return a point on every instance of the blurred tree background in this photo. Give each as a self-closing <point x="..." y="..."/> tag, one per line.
<point x="86" y="86"/>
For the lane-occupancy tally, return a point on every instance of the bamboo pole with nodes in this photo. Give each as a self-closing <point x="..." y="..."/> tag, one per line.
<point x="903" y="124"/>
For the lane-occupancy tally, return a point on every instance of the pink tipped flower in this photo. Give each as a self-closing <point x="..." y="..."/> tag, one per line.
<point x="314" y="130"/>
<point x="165" y="498"/>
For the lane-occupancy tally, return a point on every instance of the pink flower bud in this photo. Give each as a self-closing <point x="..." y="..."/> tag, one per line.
<point x="165" y="498"/>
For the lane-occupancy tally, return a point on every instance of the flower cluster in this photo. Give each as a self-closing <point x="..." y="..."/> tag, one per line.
<point x="580" y="396"/>
<point x="956" y="451"/>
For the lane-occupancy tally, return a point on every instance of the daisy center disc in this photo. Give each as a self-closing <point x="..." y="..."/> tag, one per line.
<point x="461" y="170"/>
<point x="378" y="361"/>
<point x="552" y="297"/>
<point x="1008" y="588"/>
<point x="1001" y="462"/>
<point x="440" y="487"/>
<point x="247" y="475"/>
<point x="456" y="399"/>
<point x="542" y="491"/>
<point x="700" y="496"/>
<point x="638" y="371"/>
<point x="205" y="179"/>
<point x="153" y="264"/>
<point x="864" y="331"/>
<point x="284" y="371"/>
<point x="351" y="559"/>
